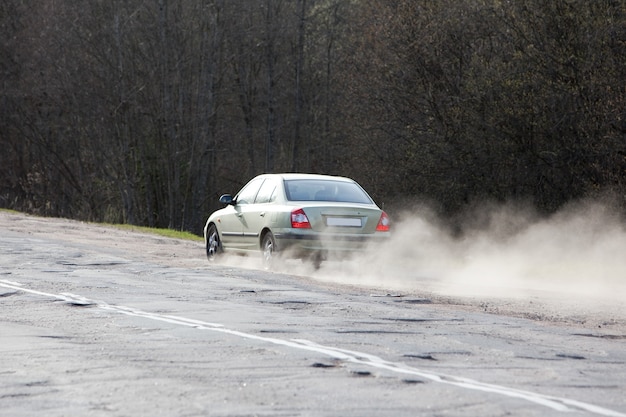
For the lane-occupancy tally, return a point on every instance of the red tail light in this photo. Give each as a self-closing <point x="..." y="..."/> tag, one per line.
<point x="383" y="223"/>
<point x="299" y="220"/>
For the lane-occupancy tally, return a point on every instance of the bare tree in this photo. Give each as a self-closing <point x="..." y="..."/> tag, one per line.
<point x="145" y="111"/>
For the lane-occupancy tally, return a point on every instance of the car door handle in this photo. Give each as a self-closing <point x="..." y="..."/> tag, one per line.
<point x="262" y="214"/>
<point x="239" y="214"/>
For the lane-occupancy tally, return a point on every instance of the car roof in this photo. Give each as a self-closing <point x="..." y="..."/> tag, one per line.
<point x="299" y="176"/>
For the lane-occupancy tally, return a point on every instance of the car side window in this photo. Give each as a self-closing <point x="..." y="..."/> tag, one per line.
<point x="267" y="193"/>
<point x="249" y="192"/>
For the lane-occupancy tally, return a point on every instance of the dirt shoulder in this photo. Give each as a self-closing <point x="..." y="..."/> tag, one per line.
<point x="150" y="247"/>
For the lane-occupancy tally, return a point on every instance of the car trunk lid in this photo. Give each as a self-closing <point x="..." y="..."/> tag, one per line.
<point x="330" y="218"/>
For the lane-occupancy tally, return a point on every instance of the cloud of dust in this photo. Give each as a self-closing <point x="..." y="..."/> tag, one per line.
<point x="503" y="251"/>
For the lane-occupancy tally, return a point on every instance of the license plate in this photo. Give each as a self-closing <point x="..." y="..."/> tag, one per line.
<point x="343" y="222"/>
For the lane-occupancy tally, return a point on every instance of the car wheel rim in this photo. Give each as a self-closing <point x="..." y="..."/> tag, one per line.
<point x="213" y="245"/>
<point x="268" y="252"/>
<point x="269" y="249"/>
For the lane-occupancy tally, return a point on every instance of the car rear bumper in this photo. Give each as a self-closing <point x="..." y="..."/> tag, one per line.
<point x="312" y="242"/>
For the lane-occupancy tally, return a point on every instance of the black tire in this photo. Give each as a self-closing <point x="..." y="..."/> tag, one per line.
<point x="213" y="244"/>
<point x="317" y="260"/>
<point x="269" y="251"/>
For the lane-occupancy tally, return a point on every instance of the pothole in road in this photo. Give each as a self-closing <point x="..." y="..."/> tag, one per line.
<point x="373" y="332"/>
<point x="290" y="304"/>
<point x="101" y="262"/>
<point x="300" y="302"/>
<point x="603" y="336"/>
<point x="414" y="301"/>
<point x="361" y="373"/>
<point x="424" y="356"/>
<point x="325" y="365"/>
<point x="452" y="352"/>
<point x="413" y="381"/>
<point x="419" y="320"/>
<point x="279" y="331"/>
<point x="79" y="303"/>
<point x="357" y="373"/>
<point x="569" y="356"/>
<point x="55" y="337"/>
<point x="400" y="298"/>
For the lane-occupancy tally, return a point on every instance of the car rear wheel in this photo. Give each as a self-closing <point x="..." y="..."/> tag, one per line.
<point x="269" y="250"/>
<point x="213" y="244"/>
<point x="317" y="259"/>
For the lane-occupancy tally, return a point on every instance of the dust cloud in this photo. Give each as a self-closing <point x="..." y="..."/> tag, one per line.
<point x="578" y="254"/>
<point x="568" y="264"/>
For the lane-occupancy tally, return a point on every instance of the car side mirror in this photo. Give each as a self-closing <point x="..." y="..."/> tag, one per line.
<point x="226" y="199"/>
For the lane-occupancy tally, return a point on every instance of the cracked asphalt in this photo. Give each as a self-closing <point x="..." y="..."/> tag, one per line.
<point x="97" y="321"/>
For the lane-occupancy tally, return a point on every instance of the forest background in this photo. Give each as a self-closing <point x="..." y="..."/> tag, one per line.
<point x="145" y="111"/>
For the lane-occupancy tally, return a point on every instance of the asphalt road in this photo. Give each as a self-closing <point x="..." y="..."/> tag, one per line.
<point x="100" y="322"/>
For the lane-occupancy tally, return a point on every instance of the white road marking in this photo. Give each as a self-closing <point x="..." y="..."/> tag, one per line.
<point x="361" y="358"/>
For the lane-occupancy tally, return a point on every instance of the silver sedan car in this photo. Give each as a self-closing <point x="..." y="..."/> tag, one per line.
<point x="296" y="215"/>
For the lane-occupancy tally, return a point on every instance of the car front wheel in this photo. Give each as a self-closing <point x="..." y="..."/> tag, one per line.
<point x="213" y="244"/>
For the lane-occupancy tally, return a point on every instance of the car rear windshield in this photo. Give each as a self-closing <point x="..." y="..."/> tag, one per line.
<point x="326" y="190"/>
